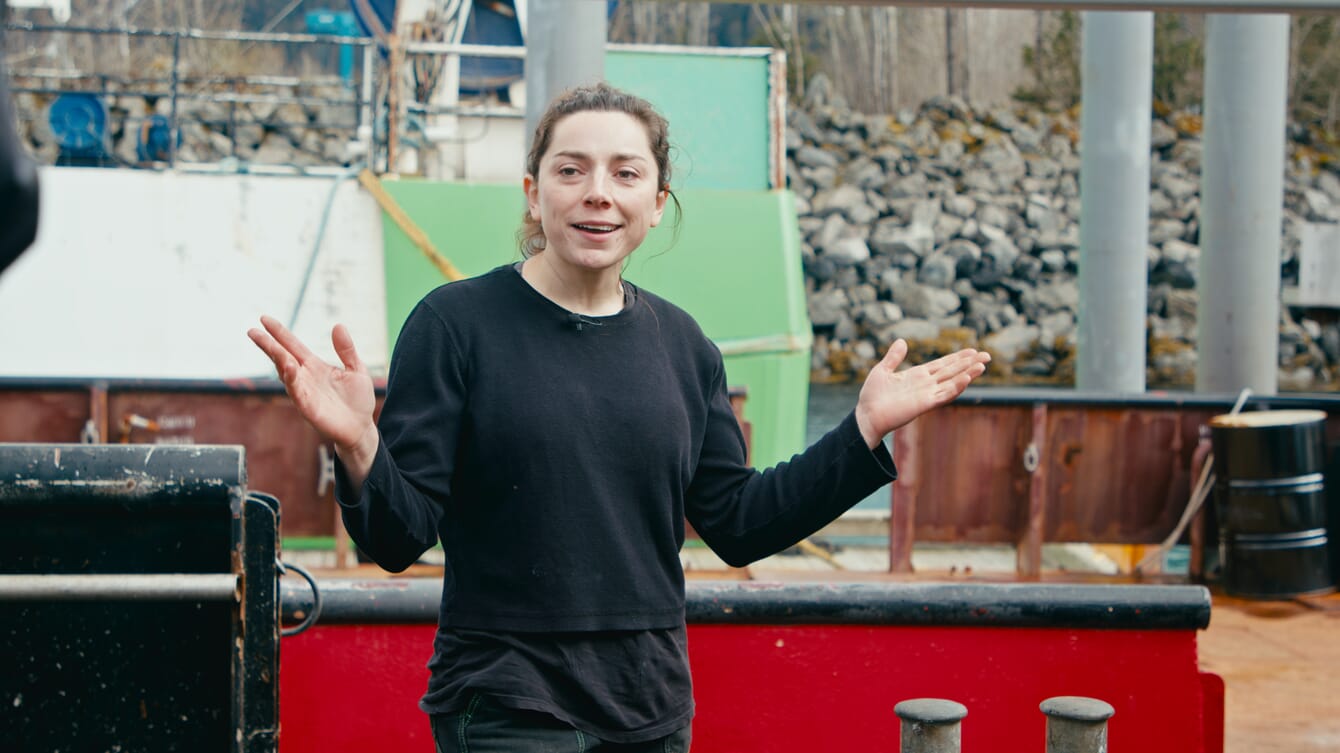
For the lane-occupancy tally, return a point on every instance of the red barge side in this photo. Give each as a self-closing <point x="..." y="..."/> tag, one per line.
<point x="812" y="667"/>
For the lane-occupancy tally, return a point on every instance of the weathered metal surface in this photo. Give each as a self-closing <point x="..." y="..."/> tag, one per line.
<point x="1029" y="548"/>
<point x="1110" y="469"/>
<point x="1076" y="724"/>
<point x="160" y="587"/>
<point x="282" y="450"/>
<point x="1120" y="607"/>
<point x="40" y="478"/>
<point x="1114" y="469"/>
<point x="930" y="725"/>
<point x="256" y="628"/>
<point x="107" y="659"/>
<point x="906" y="491"/>
<point x="36" y="413"/>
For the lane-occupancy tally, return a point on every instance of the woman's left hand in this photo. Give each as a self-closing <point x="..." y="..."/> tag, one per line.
<point x="891" y="398"/>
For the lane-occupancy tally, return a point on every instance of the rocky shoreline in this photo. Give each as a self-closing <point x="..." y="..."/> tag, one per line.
<point x="952" y="226"/>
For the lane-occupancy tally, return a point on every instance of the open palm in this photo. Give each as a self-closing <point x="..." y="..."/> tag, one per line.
<point x="891" y="398"/>
<point x="337" y="401"/>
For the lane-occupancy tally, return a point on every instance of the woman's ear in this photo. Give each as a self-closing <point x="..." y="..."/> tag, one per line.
<point x="532" y="189"/>
<point x="661" y="197"/>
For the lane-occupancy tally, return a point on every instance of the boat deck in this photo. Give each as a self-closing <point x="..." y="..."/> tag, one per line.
<point x="1280" y="660"/>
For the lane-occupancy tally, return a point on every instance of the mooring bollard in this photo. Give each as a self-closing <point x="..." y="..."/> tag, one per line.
<point x="930" y="725"/>
<point x="1076" y="724"/>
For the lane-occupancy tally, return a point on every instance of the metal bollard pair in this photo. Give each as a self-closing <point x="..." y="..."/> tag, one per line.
<point x="1074" y="725"/>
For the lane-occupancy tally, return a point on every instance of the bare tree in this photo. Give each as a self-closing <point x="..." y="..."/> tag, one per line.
<point x="1314" y="62"/>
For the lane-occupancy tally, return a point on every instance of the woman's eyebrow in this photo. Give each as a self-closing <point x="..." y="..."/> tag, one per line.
<point x="585" y="157"/>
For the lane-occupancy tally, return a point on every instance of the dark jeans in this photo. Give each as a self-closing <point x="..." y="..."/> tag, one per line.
<point x="485" y="726"/>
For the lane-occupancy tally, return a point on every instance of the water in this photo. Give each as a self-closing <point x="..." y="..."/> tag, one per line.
<point x="829" y="404"/>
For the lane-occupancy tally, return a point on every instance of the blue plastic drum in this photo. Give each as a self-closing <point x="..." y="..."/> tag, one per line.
<point x="79" y="122"/>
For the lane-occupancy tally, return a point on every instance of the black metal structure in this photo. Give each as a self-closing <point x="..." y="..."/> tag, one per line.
<point x="138" y="600"/>
<point x="1115" y="607"/>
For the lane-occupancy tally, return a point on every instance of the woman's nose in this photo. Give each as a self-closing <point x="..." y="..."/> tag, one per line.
<point x="597" y="190"/>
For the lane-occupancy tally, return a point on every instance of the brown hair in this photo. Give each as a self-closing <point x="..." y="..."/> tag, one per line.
<point x="600" y="97"/>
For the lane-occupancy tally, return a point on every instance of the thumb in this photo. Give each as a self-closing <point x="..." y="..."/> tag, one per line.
<point x="344" y="348"/>
<point x="895" y="355"/>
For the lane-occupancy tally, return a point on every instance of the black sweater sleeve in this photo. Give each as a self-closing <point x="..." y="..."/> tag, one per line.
<point x="394" y="517"/>
<point x="745" y="515"/>
<point x="18" y="182"/>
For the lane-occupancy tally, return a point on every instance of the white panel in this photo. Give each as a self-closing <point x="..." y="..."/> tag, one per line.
<point x="1319" y="265"/>
<point x="159" y="275"/>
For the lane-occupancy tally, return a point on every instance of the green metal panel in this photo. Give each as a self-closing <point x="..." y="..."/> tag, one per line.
<point x="718" y="112"/>
<point x="778" y="385"/>
<point x="735" y="266"/>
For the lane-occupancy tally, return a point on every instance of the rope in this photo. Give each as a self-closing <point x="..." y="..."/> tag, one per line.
<point x="406" y="225"/>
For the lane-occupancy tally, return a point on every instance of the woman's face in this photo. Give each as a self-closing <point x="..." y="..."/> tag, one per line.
<point x="597" y="192"/>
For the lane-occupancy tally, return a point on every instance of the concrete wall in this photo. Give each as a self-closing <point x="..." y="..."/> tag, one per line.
<point x="159" y="275"/>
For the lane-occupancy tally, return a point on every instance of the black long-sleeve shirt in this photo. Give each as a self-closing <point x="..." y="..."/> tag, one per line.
<point x="18" y="180"/>
<point x="556" y="458"/>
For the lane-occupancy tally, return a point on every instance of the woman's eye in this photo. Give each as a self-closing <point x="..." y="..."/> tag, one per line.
<point x="568" y="171"/>
<point x="627" y="174"/>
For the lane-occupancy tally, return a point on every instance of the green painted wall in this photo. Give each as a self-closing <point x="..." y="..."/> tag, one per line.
<point x="718" y="112"/>
<point x="735" y="267"/>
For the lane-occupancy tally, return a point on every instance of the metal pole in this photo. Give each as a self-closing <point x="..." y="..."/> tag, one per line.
<point x="1242" y="191"/>
<point x="1116" y="74"/>
<point x="395" y="61"/>
<point x="930" y="725"/>
<point x="157" y="587"/>
<point x="565" y="47"/>
<point x="365" y="133"/>
<point x="173" y="131"/>
<point x="1076" y="724"/>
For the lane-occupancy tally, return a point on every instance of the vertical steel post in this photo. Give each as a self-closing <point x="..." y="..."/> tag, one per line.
<point x="1116" y="76"/>
<point x="1242" y="192"/>
<point x="174" y="131"/>
<point x="366" y="117"/>
<point x="565" y="47"/>
<point x="930" y="725"/>
<point x="903" y="495"/>
<point x="1076" y="724"/>
<point x="395" y="63"/>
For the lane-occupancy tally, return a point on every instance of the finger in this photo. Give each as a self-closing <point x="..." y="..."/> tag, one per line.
<point x="957" y="363"/>
<point x="895" y="355"/>
<point x="946" y="361"/>
<point x="344" y="348"/>
<point x="960" y="382"/>
<point x="281" y="358"/>
<point x="288" y="340"/>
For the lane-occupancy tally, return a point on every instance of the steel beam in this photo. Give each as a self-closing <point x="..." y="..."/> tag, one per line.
<point x="1116" y="76"/>
<point x="565" y="47"/>
<point x="154" y="587"/>
<point x="1242" y="193"/>
<point x="1185" y="6"/>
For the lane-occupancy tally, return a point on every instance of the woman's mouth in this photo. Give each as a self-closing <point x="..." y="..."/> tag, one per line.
<point x="595" y="227"/>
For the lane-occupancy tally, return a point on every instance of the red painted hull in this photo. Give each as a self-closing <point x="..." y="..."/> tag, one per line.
<point x="776" y="688"/>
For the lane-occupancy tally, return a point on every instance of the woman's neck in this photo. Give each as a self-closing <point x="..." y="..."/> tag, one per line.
<point x="589" y="292"/>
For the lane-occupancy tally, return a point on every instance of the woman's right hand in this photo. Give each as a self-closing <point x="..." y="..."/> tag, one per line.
<point x="337" y="402"/>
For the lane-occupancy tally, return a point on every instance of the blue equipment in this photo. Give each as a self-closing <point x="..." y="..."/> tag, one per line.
<point x="340" y="24"/>
<point x="155" y="141"/>
<point x="79" y="122"/>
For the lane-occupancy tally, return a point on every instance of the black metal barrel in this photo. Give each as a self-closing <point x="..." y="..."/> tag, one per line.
<point x="1270" y="497"/>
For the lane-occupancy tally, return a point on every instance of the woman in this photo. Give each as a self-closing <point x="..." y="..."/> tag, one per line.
<point x="553" y="425"/>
